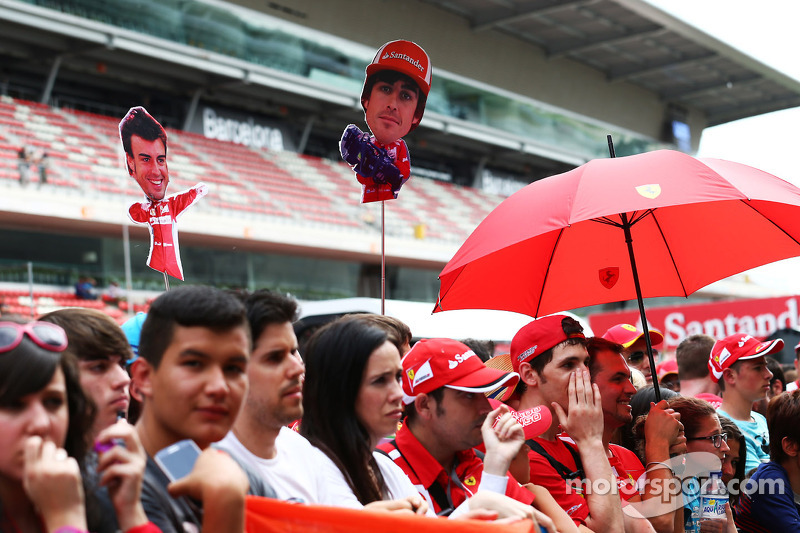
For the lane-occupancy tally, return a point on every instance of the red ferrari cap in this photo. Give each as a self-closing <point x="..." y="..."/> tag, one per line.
<point x="626" y="335"/>
<point x="534" y="421"/>
<point x="541" y="335"/>
<point x="434" y="363"/>
<point x="670" y="366"/>
<point x="738" y="347"/>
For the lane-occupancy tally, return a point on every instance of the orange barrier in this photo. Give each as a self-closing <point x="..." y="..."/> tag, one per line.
<point x="265" y="515"/>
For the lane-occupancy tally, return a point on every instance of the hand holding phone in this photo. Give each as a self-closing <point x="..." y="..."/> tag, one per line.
<point x="177" y="460"/>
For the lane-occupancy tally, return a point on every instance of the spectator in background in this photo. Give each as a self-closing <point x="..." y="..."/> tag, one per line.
<point x="102" y="352"/>
<point x="738" y="363"/>
<point x="483" y="349"/>
<point x="635" y="346"/>
<point x="764" y="511"/>
<point x="692" y="355"/>
<point x="794" y="382"/>
<point x="735" y="458"/>
<point x="668" y="375"/>
<point x="641" y="402"/>
<point x="24" y="165"/>
<point x="398" y="331"/>
<point x="43" y="163"/>
<point x="85" y="288"/>
<point x="776" y="386"/>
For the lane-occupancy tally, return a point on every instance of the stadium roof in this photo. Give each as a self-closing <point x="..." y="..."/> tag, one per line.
<point x="633" y="41"/>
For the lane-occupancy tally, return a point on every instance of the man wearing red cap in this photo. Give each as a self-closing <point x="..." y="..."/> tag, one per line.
<point x="444" y="382"/>
<point x="550" y="356"/>
<point x="635" y="346"/>
<point x="667" y="372"/>
<point x="737" y="362"/>
<point x="395" y="90"/>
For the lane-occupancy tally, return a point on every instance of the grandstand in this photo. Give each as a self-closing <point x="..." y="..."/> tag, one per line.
<point x="285" y="212"/>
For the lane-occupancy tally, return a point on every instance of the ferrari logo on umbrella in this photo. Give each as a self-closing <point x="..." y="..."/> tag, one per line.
<point x="609" y="276"/>
<point x="652" y="190"/>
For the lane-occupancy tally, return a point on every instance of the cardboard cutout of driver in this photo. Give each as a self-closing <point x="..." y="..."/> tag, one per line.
<point x="395" y="90"/>
<point x="145" y="143"/>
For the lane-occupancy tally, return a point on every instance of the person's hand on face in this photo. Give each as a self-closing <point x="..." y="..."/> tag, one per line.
<point x="503" y="436"/>
<point x="52" y="481"/>
<point x="121" y="468"/>
<point x="584" y="422"/>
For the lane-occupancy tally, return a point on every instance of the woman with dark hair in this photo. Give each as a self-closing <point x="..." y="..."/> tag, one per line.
<point x="352" y="398"/>
<point x="733" y="463"/>
<point x="45" y="423"/>
<point x="640" y="405"/>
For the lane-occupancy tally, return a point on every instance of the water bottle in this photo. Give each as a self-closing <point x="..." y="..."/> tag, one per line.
<point x="713" y="498"/>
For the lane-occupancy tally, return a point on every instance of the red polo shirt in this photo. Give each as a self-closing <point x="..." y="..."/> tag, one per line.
<point x="627" y="467"/>
<point x="423" y="471"/>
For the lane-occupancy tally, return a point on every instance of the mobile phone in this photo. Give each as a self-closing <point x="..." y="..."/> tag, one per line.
<point x="177" y="460"/>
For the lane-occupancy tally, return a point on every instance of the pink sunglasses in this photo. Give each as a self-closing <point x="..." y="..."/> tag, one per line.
<point x="43" y="334"/>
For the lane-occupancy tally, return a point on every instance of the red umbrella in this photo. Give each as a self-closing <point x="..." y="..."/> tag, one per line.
<point x="560" y="242"/>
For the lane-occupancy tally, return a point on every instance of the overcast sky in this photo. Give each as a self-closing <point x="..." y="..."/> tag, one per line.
<point x="768" y="31"/>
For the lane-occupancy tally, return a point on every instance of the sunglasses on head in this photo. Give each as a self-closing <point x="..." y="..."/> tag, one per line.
<point x="639" y="355"/>
<point x="44" y="334"/>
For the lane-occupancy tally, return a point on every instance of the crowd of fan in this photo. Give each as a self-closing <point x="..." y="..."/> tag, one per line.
<point x="555" y="432"/>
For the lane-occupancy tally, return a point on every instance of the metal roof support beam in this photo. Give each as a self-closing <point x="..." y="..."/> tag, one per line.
<point x="729" y="114"/>
<point x="192" y="108"/>
<point x="51" y="79"/>
<point x="301" y="146"/>
<point x="622" y="75"/>
<point x="640" y="34"/>
<point x="489" y="23"/>
<point x="699" y="90"/>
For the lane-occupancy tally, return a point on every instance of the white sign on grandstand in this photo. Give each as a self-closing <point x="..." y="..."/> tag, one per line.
<point x="246" y="132"/>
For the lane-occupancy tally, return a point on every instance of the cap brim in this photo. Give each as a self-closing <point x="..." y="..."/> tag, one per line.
<point x="484" y="380"/>
<point x="534" y="421"/>
<point x="655" y="338"/>
<point x="770" y="347"/>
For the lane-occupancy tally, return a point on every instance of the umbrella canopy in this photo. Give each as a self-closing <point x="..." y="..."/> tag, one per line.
<point x="560" y="242"/>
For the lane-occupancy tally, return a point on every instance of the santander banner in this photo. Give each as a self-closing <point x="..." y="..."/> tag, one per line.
<point x="758" y="318"/>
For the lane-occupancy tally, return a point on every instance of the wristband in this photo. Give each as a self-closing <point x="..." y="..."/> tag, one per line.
<point x="657" y="465"/>
<point x="70" y="529"/>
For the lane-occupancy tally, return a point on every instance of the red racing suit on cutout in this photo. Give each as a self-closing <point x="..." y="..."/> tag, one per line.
<point x="161" y="219"/>
<point x="375" y="192"/>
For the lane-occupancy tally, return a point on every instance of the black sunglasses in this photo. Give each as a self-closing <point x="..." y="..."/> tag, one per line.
<point x="638" y="356"/>
<point x="717" y="439"/>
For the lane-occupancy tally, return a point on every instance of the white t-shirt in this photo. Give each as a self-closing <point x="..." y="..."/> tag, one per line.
<point x="293" y="472"/>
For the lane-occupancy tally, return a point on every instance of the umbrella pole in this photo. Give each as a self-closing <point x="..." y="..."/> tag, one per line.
<point x="383" y="257"/>
<point x="626" y="227"/>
